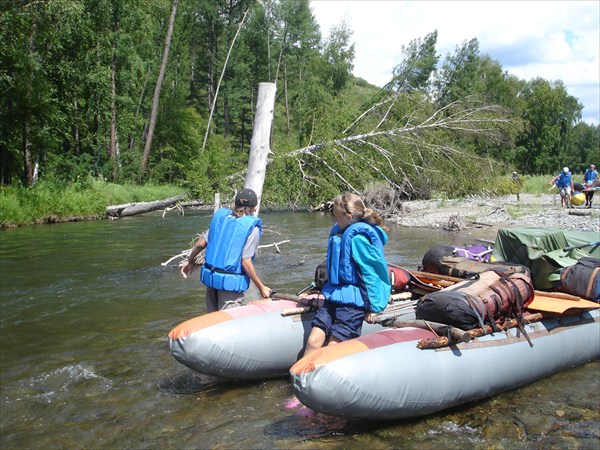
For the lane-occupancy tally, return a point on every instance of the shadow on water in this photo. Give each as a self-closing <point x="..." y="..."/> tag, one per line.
<point x="195" y="383"/>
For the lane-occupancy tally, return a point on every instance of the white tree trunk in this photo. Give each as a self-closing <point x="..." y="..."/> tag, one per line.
<point x="158" y="88"/>
<point x="260" y="146"/>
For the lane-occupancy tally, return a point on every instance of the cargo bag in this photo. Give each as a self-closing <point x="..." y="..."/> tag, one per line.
<point x="399" y="278"/>
<point x="456" y="266"/>
<point x="433" y="256"/>
<point x="432" y="259"/>
<point x="472" y="303"/>
<point x="582" y="279"/>
<point x="477" y="252"/>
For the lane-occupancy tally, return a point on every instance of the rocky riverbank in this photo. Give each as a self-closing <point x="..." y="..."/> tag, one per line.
<point x="492" y="213"/>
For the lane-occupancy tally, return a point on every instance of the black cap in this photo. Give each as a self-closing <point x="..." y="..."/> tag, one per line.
<point x="246" y="197"/>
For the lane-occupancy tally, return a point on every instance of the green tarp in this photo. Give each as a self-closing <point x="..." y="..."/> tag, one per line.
<point x="542" y="250"/>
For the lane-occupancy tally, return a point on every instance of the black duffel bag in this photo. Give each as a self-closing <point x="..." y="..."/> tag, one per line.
<point x="582" y="279"/>
<point x="450" y="308"/>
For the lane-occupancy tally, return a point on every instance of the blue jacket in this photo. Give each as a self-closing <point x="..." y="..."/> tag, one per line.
<point x="356" y="267"/>
<point x="564" y="180"/>
<point x="590" y="175"/>
<point x="222" y="269"/>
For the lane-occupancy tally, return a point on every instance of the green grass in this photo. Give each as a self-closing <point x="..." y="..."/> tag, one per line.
<point x="539" y="184"/>
<point x="51" y="202"/>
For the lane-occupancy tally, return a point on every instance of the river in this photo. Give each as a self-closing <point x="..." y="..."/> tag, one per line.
<point x="85" y="312"/>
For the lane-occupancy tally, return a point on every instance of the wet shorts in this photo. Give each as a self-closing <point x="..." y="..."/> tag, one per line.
<point x="340" y="321"/>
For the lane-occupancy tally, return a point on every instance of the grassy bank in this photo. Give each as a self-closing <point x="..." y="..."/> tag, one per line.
<point x="49" y="202"/>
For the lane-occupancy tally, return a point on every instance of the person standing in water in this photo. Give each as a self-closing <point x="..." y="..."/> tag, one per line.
<point x="230" y="244"/>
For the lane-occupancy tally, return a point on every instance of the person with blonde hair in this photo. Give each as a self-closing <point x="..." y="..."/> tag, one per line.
<point x="358" y="285"/>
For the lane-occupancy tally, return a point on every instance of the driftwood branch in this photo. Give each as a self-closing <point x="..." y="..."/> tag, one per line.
<point x="274" y="244"/>
<point x="181" y="257"/>
<point x="131" y="209"/>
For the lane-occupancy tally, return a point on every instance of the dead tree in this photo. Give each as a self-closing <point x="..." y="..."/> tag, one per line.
<point x="384" y="137"/>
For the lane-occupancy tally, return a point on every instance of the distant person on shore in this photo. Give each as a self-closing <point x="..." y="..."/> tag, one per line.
<point x="589" y="177"/>
<point x="230" y="244"/>
<point x="358" y="285"/>
<point x="564" y="183"/>
<point x="517" y="181"/>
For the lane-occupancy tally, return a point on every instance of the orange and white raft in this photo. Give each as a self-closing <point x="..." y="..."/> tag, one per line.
<point x="265" y="337"/>
<point x="388" y="375"/>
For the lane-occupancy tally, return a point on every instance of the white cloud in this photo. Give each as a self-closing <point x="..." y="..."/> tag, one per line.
<point x="554" y="40"/>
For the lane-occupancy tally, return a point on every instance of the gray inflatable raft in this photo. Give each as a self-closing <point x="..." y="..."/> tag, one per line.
<point x="254" y="341"/>
<point x="385" y="376"/>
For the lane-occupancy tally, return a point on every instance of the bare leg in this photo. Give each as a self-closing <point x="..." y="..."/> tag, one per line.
<point x="333" y="341"/>
<point x="315" y="341"/>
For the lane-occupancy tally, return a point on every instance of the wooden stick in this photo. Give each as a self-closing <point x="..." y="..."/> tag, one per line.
<point x="561" y="295"/>
<point x="275" y="244"/>
<point x="400" y="296"/>
<point x="456" y="334"/>
<point x="435" y="276"/>
<point x="311" y="302"/>
<point x="294" y="311"/>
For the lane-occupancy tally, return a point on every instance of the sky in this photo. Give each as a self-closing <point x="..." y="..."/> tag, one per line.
<point x="554" y="40"/>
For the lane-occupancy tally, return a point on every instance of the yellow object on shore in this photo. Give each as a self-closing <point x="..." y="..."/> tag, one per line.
<point x="578" y="198"/>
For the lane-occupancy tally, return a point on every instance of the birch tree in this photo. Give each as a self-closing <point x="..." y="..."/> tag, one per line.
<point x="402" y="146"/>
<point x="158" y="88"/>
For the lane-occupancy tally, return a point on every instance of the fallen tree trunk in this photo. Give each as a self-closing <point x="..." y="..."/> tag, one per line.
<point x="579" y="212"/>
<point x="131" y="209"/>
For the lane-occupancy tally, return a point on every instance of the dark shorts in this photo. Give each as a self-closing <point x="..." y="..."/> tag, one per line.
<point x="340" y="321"/>
<point x="217" y="300"/>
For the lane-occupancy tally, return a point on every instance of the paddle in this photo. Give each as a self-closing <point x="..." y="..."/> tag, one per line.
<point x="591" y="244"/>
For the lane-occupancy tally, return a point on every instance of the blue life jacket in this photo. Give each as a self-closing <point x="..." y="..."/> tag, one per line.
<point x="344" y="285"/>
<point x="222" y="269"/>
<point x="590" y="175"/>
<point x="564" y="180"/>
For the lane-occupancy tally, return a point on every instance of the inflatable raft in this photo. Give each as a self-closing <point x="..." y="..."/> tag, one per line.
<point x="265" y="337"/>
<point x="385" y="375"/>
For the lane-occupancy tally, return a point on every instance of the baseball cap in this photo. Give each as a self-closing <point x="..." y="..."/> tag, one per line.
<point x="246" y="197"/>
<point x="565" y="169"/>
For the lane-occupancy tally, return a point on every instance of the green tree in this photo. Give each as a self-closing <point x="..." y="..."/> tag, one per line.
<point x="339" y="58"/>
<point x="583" y="145"/>
<point x="549" y="115"/>
<point x="458" y="71"/>
<point x="418" y="64"/>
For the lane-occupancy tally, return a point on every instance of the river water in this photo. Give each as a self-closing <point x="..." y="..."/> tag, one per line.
<point x="85" y="312"/>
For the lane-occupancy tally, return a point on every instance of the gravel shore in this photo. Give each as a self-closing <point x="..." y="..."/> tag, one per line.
<point x="492" y="213"/>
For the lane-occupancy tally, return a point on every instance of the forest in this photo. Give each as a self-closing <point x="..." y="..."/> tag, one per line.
<point x="164" y="91"/>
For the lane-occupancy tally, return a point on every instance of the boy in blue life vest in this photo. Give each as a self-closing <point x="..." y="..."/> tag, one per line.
<point x="564" y="183"/>
<point x="589" y="177"/>
<point x="358" y="285"/>
<point x="231" y="244"/>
